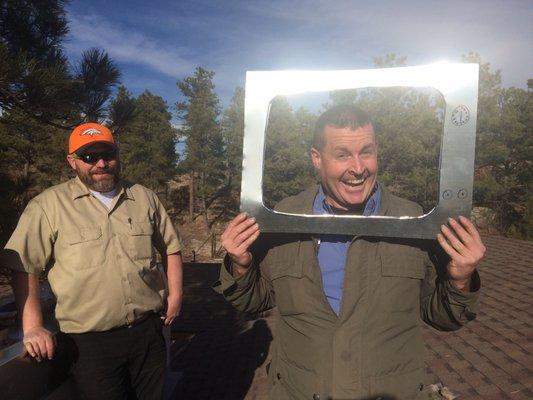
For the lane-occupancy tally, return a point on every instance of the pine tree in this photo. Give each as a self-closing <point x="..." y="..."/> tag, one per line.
<point x="233" y="132"/>
<point x="41" y="99"/>
<point x="34" y="76"/>
<point x="504" y="144"/>
<point x="408" y="128"/>
<point x="147" y="139"/>
<point x="204" y="156"/>
<point x="96" y="76"/>
<point x="288" y="168"/>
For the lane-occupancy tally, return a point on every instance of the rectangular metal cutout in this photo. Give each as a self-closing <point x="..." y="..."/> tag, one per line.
<point x="458" y="84"/>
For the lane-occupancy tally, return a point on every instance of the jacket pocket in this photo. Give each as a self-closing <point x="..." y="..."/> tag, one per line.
<point x="402" y="272"/>
<point x="84" y="248"/>
<point x="289" y="287"/>
<point x="291" y="381"/>
<point x="401" y="261"/>
<point x="140" y="234"/>
<point x="410" y="267"/>
<point x="400" y="386"/>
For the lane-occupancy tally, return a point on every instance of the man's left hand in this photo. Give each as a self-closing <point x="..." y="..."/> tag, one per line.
<point x="173" y="308"/>
<point x="462" y="242"/>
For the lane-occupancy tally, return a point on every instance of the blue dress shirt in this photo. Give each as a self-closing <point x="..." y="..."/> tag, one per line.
<point x="332" y="249"/>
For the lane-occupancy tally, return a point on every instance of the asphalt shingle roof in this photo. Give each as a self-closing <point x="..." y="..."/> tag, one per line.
<point x="490" y="358"/>
<point x="219" y="353"/>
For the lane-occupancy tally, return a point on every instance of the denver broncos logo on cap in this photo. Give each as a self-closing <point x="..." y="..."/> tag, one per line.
<point x="86" y="134"/>
<point x="91" y="132"/>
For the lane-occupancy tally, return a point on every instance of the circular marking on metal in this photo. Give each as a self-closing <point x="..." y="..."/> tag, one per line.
<point x="460" y="115"/>
<point x="447" y="194"/>
<point x="461" y="194"/>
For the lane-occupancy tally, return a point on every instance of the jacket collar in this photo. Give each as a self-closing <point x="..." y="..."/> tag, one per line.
<point x="307" y="197"/>
<point x="371" y="206"/>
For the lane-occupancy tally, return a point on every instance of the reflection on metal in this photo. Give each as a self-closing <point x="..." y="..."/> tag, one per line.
<point x="22" y="377"/>
<point x="17" y="350"/>
<point x="458" y="84"/>
<point x="10" y="353"/>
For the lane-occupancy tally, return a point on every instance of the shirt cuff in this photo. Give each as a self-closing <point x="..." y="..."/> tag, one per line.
<point x="173" y="250"/>
<point x="11" y="259"/>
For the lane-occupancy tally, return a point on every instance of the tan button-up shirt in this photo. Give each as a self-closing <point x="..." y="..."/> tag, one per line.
<point x="102" y="261"/>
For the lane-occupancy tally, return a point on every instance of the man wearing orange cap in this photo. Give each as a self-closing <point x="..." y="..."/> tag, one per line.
<point x="96" y="235"/>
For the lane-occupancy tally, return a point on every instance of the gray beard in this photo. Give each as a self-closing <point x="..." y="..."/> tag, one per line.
<point x="102" y="186"/>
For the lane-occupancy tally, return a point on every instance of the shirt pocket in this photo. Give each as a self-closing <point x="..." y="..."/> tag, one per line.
<point x="289" y="285"/>
<point x="140" y="237"/>
<point x="84" y="248"/>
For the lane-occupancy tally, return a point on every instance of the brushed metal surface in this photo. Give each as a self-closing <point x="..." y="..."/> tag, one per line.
<point x="458" y="84"/>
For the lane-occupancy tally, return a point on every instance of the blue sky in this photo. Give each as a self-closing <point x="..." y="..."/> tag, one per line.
<point x="155" y="43"/>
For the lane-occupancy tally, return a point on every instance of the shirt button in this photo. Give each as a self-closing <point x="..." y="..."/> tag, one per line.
<point x="278" y="375"/>
<point x="316" y="397"/>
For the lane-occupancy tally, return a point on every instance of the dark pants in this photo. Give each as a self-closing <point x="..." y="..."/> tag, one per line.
<point x="123" y="363"/>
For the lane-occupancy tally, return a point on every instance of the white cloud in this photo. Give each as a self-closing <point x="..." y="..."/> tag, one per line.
<point x="232" y="37"/>
<point x="126" y="45"/>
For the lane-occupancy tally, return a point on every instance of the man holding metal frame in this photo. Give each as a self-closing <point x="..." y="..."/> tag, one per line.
<point x="96" y="234"/>
<point x="347" y="322"/>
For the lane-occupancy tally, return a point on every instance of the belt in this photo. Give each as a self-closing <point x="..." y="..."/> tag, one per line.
<point x="138" y="321"/>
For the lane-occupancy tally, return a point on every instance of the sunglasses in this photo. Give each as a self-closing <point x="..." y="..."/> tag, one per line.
<point x="93" y="158"/>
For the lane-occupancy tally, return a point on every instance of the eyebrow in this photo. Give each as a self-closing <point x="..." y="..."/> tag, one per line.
<point x="368" y="147"/>
<point x="342" y="148"/>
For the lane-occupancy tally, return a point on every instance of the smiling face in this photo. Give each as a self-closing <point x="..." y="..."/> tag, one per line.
<point x="347" y="165"/>
<point x="101" y="176"/>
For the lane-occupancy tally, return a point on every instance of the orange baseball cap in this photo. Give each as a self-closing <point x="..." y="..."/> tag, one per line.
<point x="87" y="134"/>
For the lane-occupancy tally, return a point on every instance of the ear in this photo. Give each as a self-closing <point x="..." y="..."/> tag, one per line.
<point x="316" y="158"/>
<point x="72" y="162"/>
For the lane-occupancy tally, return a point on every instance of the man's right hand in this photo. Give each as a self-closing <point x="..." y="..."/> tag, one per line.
<point x="39" y="343"/>
<point x="239" y="235"/>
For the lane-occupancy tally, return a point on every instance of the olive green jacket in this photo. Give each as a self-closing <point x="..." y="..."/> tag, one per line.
<point x="374" y="347"/>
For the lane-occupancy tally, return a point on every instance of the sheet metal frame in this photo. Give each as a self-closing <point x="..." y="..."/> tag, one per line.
<point x="458" y="84"/>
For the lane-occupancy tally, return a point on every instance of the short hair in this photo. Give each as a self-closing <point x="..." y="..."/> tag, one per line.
<point x="341" y="116"/>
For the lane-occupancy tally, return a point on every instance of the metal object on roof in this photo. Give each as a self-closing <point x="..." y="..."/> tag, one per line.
<point x="458" y="84"/>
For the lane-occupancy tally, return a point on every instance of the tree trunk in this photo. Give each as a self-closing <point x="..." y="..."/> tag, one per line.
<point x="191" y="196"/>
<point x="213" y="244"/>
<point x="26" y="171"/>
<point x="202" y="196"/>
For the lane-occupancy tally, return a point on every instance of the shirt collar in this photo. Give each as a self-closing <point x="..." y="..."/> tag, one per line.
<point x="126" y="191"/>
<point x="78" y="189"/>
<point x="320" y="205"/>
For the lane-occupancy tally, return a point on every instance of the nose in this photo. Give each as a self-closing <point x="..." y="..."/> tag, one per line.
<point x="356" y="166"/>
<point x="101" y="163"/>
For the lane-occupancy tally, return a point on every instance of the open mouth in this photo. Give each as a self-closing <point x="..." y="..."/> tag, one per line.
<point x="354" y="182"/>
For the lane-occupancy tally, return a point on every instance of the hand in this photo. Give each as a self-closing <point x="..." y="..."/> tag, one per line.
<point x="465" y="248"/>
<point x="173" y="308"/>
<point x="239" y="235"/>
<point x="39" y="343"/>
